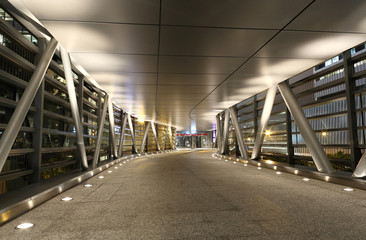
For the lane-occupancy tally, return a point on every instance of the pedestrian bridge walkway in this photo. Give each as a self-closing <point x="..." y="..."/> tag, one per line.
<point x="192" y="195"/>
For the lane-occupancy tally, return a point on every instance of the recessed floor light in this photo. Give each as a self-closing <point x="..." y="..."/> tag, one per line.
<point x="66" y="199"/>
<point x="226" y="160"/>
<point x="259" y="168"/>
<point x="124" y="162"/>
<point x="278" y="173"/>
<point x="115" y="167"/>
<point x="234" y="162"/>
<point x="120" y="164"/>
<point x="245" y="164"/>
<point x="88" y="185"/>
<point x="348" y="189"/>
<point x="101" y="177"/>
<point x="306" y="179"/>
<point x="109" y="171"/>
<point x="25" y="225"/>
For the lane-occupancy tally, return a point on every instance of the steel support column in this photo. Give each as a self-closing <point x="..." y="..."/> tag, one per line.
<point x="165" y="137"/>
<point x="320" y="158"/>
<point x="351" y="108"/>
<point x="74" y="105"/>
<point x="145" y="136"/>
<point x="100" y="132"/>
<point x="171" y="137"/>
<point x="239" y="137"/>
<point x="155" y="135"/>
<point x="124" y="121"/>
<point x="11" y="132"/>
<point x="266" y="114"/>
<point x="225" y="132"/>
<point x="218" y="132"/>
<point x="134" y="150"/>
<point x="112" y="127"/>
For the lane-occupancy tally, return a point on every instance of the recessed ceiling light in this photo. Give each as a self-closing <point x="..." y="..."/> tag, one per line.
<point x="348" y="189"/>
<point x="66" y="199"/>
<point x="25" y="225"/>
<point x="88" y="185"/>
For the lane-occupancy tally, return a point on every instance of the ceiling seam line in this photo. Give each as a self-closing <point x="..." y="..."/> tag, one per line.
<point x="237" y="69"/>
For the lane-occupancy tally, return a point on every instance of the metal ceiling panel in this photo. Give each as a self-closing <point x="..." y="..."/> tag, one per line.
<point x="122" y="78"/>
<point x="210" y="65"/>
<point x="191" y="79"/>
<point x="105" y="38"/>
<point x="212" y="41"/>
<point x="333" y="16"/>
<point x="267" y="14"/>
<point x="123" y="63"/>
<point x="185" y="89"/>
<point x="121" y="11"/>
<point x="313" y="45"/>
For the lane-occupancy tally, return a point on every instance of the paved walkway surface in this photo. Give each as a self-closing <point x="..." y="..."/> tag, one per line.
<point x="191" y="195"/>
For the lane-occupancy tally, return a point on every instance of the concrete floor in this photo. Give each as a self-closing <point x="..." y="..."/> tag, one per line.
<point x="191" y="195"/>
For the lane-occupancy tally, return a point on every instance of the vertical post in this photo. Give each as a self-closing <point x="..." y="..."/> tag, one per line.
<point x="218" y="132"/>
<point x="145" y="136"/>
<point x="266" y="114"/>
<point x="123" y="129"/>
<point x="80" y="103"/>
<point x="100" y="132"/>
<point x="155" y="135"/>
<point x="225" y="130"/>
<point x="10" y="133"/>
<point x="112" y="127"/>
<point x="290" y="148"/>
<point x="255" y="115"/>
<point x="74" y="105"/>
<point x="38" y="123"/>
<point x="134" y="150"/>
<point x="165" y="137"/>
<point x="171" y="137"/>
<point x="320" y="158"/>
<point x="351" y="108"/>
<point x="239" y="137"/>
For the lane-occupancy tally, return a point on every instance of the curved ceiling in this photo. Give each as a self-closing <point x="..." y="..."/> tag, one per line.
<point x="175" y="61"/>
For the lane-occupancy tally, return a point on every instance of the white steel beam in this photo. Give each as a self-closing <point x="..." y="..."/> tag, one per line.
<point x="111" y="126"/>
<point x="11" y="132"/>
<point x="225" y="131"/>
<point x="145" y="136"/>
<point x="320" y="158"/>
<point x="155" y="135"/>
<point x="218" y="132"/>
<point x="100" y="132"/>
<point x="360" y="170"/>
<point x="123" y="129"/>
<point x="239" y="137"/>
<point x="132" y="133"/>
<point x="74" y="105"/>
<point x="266" y="114"/>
